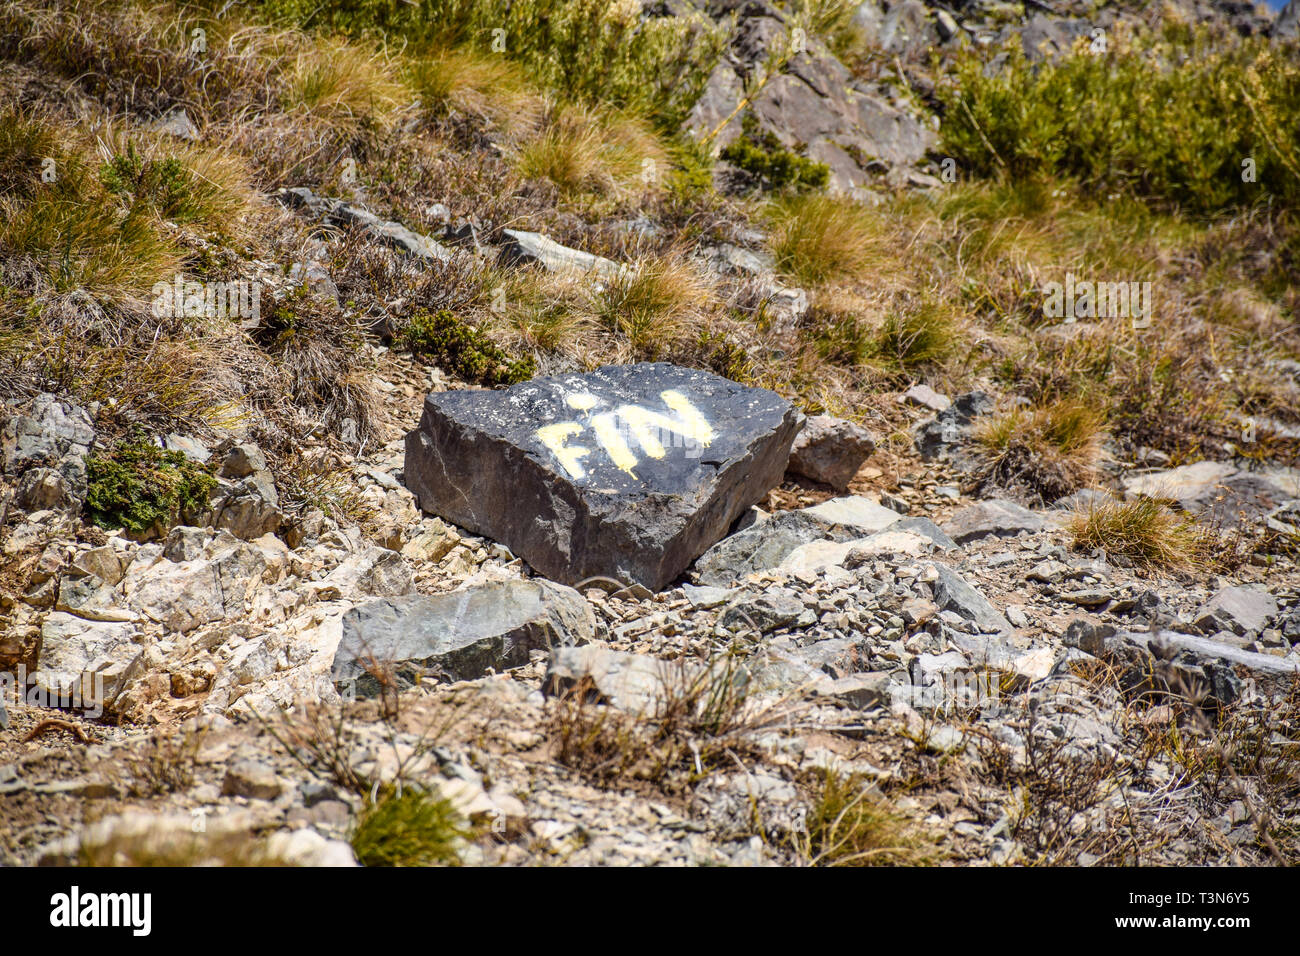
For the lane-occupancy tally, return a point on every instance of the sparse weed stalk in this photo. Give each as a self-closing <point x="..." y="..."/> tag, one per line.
<point x="1064" y="799"/>
<point x="328" y="740"/>
<point x="702" y="716"/>
<point x="308" y="483"/>
<point x="164" y="763"/>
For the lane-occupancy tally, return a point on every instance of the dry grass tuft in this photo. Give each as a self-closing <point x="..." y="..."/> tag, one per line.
<point x="702" y="717"/>
<point x="818" y="238"/>
<point x="1047" y="452"/>
<point x="653" y="305"/>
<point x="344" y="83"/>
<point x="585" y="151"/>
<point x="1144" y="531"/>
<point x="847" y="825"/>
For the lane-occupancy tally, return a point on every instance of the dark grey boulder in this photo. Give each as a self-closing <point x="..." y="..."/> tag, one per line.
<point x="458" y="636"/>
<point x="628" y="473"/>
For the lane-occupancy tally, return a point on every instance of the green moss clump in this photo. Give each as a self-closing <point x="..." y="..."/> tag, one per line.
<point x="773" y="167"/>
<point x="140" y="487"/>
<point x="465" y="350"/>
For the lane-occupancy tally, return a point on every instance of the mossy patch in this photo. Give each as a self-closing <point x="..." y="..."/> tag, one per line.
<point x="465" y="350"/>
<point x="141" y="487"/>
<point x="769" y="164"/>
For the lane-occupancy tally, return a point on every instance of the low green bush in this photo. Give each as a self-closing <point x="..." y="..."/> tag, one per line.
<point x="142" y="488"/>
<point x="770" y="165"/>
<point x="593" y="51"/>
<point x="409" y="829"/>
<point x="465" y="350"/>
<point x="1180" y="122"/>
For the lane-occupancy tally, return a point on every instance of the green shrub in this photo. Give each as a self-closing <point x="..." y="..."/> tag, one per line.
<point x="142" y="488"/>
<point x="1171" y="122"/>
<point x="409" y="829"/>
<point x="769" y="164"/>
<point x="184" y="185"/>
<point x="465" y="350"/>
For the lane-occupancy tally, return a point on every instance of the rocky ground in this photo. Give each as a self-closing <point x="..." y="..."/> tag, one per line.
<point x="957" y="653"/>
<point x="316" y="587"/>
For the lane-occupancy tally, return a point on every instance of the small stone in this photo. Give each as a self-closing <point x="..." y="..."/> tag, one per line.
<point x="830" y="450"/>
<point x="252" y="779"/>
<point x="926" y="397"/>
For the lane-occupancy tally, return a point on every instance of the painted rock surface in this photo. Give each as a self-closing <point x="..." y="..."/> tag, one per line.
<point x="628" y="473"/>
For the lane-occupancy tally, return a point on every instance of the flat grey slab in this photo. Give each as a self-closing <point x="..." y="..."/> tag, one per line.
<point x="459" y="635"/>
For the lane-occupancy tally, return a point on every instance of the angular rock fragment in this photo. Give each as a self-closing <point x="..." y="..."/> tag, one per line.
<point x="45" y="450"/>
<point x="953" y="593"/>
<point x="460" y="636"/>
<point x="345" y="214"/>
<point x="84" y="663"/>
<point x="941" y="437"/>
<point x="626" y="473"/>
<point x="995" y="517"/>
<point x="830" y="450"/>
<point x="634" y="683"/>
<point x="771" y="543"/>
<point x="1238" y="610"/>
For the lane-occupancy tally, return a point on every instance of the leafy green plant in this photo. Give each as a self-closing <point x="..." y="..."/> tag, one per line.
<point x="410" y="828"/>
<point x="769" y="164"/>
<point x="1174" y="122"/>
<point x="143" y="488"/>
<point x="465" y="350"/>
